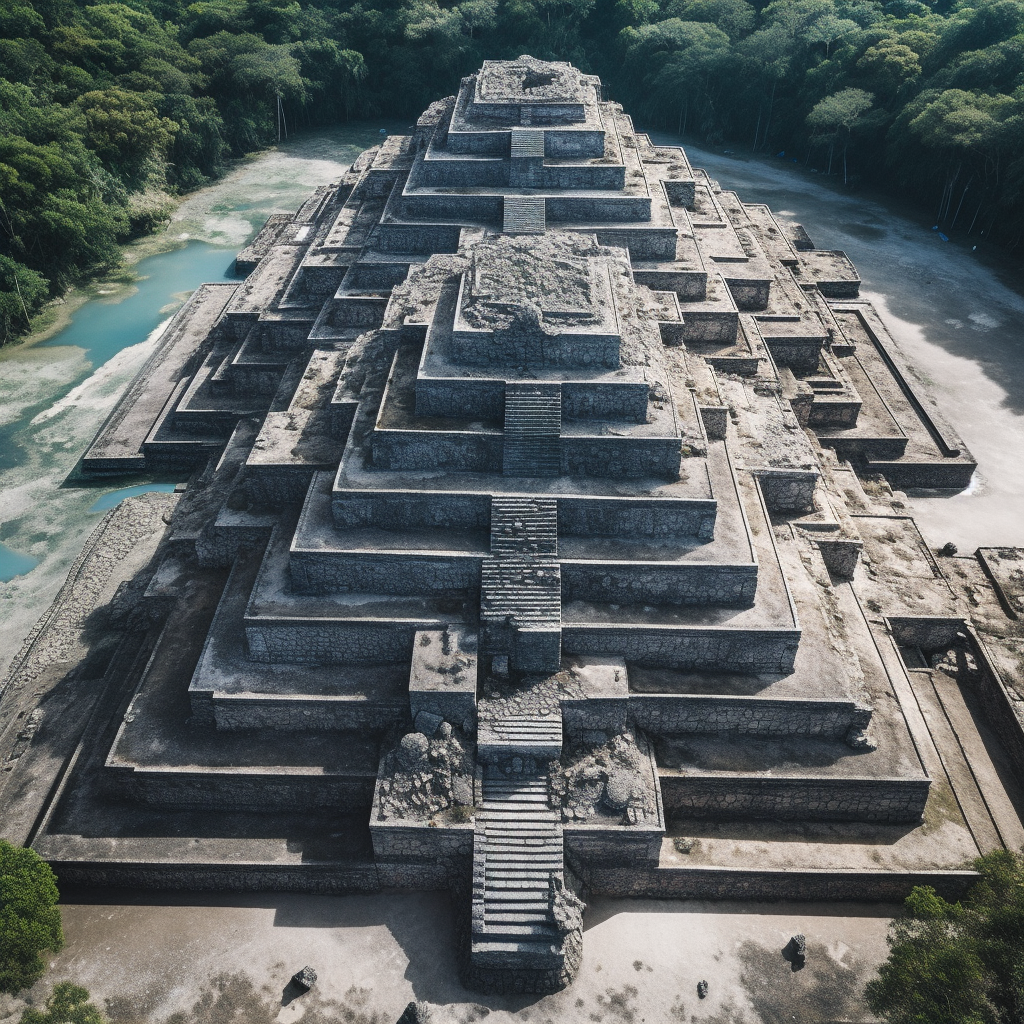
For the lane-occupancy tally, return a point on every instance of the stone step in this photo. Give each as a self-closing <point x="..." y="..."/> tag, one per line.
<point x="513" y="931"/>
<point x="523" y="918"/>
<point x="524" y="526"/>
<point x="524" y="215"/>
<point x="533" y="425"/>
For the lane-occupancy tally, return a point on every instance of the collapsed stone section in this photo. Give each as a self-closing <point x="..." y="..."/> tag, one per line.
<point x="511" y="531"/>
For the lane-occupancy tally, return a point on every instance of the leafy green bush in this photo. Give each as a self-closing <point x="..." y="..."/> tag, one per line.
<point x="958" y="963"/>
<point x="69" y="1004"/>
<point x="29" y="918"/>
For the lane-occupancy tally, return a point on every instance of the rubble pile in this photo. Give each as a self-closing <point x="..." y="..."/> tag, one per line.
<point x="422" y="776"/>
<point x="612" y="780"/>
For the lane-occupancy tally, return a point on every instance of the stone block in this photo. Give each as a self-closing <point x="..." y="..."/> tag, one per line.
<point x="442" y="678"/>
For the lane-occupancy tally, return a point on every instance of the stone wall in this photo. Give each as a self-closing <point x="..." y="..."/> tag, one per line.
<point x="621" y="457"/>
<point x="695" y="648"/>
<point x="700" y="583"/>
<point x="333" y="879"/>
<point x="465" y="451"/>
<point x="325" y="572"/>
<point x="826" y="885"/>
<point x="241" y="790"/>
<point x="788" y="490"/>
<point x="467" y="397"/>
<point x="672" y="714"/>
<point x="789" y="799"/>
<point x="298" y="713"/>
<point x="331" y="642"/>
<point x="402" y="510"/>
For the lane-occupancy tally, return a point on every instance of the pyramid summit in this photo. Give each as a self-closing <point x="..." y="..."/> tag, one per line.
<point x="533" y="473"/>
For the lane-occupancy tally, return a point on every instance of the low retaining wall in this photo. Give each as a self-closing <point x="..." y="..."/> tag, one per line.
<point x="748" y="651"/>
<point x="660" y="583"/>
<point x="241" y="791"/>
<point x="683" y="714"/>
<point x="711" y="883"/>
<point x="787" y="799"/>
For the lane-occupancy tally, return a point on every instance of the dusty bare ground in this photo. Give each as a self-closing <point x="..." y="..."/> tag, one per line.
<point x="185" y="959"/>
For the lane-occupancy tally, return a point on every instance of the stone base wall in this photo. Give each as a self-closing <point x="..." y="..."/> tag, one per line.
<point x="636" y="517"/>
<point x="643" y="242"/>
<point x="635" y="882"/>
<point x="316" y="879"/>
<point x="403" y="510"/>
<point x="690" y="285"/>
<point x="800" y="354"/>
<point x="789" y="799"/>
<point x="300" y="713"/>
<point x="419" y="238"/>
<point x="463" y="451"/>
<point x="478" y="397"/>
<point x="951" y="475"/>
<point x="788" y="490"/>
<point x="276" y="486"/>
<point x="660" y="583"/>
<point x="331" y="642"/>
<point x="323" y="572"/>
<point x="748" y="651"/>
<point x="680" y="715"/>
<point x="242" y="791"/>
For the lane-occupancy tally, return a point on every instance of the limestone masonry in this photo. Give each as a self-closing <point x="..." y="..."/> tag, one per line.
<point x="541" y="541"/>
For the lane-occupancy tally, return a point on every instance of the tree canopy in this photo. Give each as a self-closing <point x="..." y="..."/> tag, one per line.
<point x="29" y="918"/>
<point x="958" y="963"/>
<point x="100" y="100"/>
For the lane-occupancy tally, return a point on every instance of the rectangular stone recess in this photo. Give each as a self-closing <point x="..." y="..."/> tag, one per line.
<point x="523" y="215"/>
<point x="533" y="427"/>
<point x="442" y="679"/>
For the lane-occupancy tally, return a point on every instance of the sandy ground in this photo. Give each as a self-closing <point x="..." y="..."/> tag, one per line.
<point x="189" y="958"/>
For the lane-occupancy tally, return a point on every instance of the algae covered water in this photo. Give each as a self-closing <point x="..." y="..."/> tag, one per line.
<point x="55" y="395"/>
<point x="958" y="323"/>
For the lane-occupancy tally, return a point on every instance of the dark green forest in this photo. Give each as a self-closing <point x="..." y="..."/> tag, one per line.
<point x="106" y="108"/>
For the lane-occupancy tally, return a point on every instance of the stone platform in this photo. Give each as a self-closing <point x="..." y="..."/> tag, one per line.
<point x="540" y="541"/>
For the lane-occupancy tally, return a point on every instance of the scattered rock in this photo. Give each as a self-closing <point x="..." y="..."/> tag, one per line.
<point x="796" y="951"/>
<point x="305" y="979"/>
<point x="412" y="749"/>
<point x="566" y="907"/>
<point x="948" y="550"/>
<point x="428" y="723"/>
<point x="684" y="845"/>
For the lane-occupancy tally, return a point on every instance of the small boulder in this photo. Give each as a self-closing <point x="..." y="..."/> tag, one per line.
<point x="618" y="789"/>
<point x="412" y="750"/>
<point x="428" y="723"/>
<point x="702" y="989"/>
<point x="305" y="979"/>
<point x="796" y="951"/>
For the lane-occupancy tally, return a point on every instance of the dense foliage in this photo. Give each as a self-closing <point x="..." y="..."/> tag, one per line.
<point x="104" y="107"/>
<point x="69" y="1004"/>
<point x="29" y="918"/>
<point x="958" y="963"/>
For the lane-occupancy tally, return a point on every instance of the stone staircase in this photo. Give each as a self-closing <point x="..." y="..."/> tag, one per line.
<point x="533" y="425"/>
<point x="521" y="611"/>
<point x="517" y="848"/>
<point x="524" y="526"/>
<point x="524" y="215"/>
